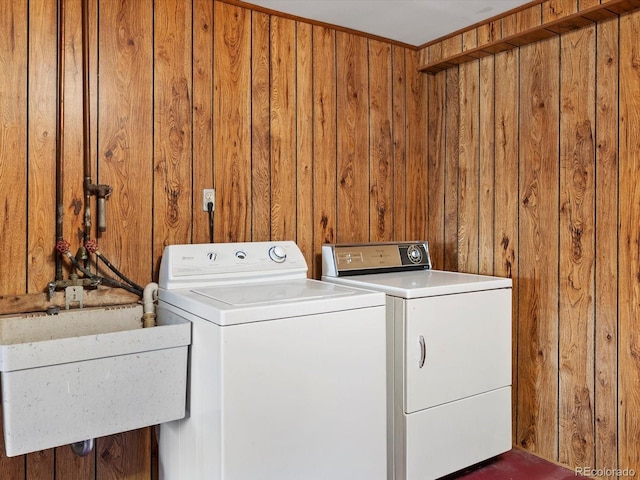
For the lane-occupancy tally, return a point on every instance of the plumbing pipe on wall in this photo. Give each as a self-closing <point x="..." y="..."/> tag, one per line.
<point x="100" y="191"/>
<point x="86" y="121"/>
<point x="60" y="140"/>
<point x="90" y="189"/>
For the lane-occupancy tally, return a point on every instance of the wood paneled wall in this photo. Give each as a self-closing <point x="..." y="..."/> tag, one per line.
<point x="533" y="173"/>
<point x="306" y="133"/>
<point x="521" y="164"/>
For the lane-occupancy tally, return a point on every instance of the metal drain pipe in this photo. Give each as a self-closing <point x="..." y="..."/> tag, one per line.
<point x="83" y="447"/>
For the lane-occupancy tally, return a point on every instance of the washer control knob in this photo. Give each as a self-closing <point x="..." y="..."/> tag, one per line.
<point x="211" y="256"/>
<point x="277" y="254"/>
<point x="241" y="254"/>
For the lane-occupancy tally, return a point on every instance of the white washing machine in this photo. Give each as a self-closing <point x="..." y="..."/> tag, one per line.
<point x="286" y="375"/>
<point x="449" y="356"/>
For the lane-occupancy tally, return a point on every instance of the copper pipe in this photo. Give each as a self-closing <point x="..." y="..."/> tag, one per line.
<point x="60" y="139"/>
<point x="86" y="121"/>
<point x="90" y="189"/>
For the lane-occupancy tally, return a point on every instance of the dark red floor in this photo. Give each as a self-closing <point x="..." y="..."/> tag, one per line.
<point x="515" y="465"/>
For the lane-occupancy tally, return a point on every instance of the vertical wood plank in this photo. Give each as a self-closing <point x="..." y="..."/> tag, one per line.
<point x="507" y="97"/>
<point x="486" y="153"/>
<point x="12" y="467"/>
<point x="468" y="168"/>
<point x="489" y="32"/>
<point x="324" y="139"/>
<point x="42" y="144"/>
<point x="73" y="171"/>
<point x="506" y="163"/>
<point x="452" y="149"/>
<point x="437" y="184"/>
<point x="380" y="142"/>
<point x="554" y="9"/>
<point x="232" y="122"/>
<point x="304" y="143"/>
<point x="469" y="39"/>
<point x="585" y="4"/>
<point x="41" y="465"/>
<point x="172" y="83"/>
<point x="423" y="55"/>
<point x="577" y="251"/>
<point x="434" y="52"/>
<point x="417" y="175"/>
<point x="508" y="25"/>
<point x="72" y="467"/>
<point x="283" y="129"/>
<point x="125" y="136"/>
<point x="521" y="20"/>
<point x="452" y="45"/>
<point x="529" y="17"/>
<point x="14" y="56"/>
<point x="538" y="229"/>
<point x="124" y="455"/>
<point x="260" y="126"/>
<point x="13" y="142"/>
<point x="352" y="143"/>
<point x="202" y="114"/>
<point x="399" y="87"/>
<point x="629" y="253"/>
<point x="606" y="267"/>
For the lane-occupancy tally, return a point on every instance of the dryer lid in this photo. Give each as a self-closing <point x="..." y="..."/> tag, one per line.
<point x="425" y="283"/>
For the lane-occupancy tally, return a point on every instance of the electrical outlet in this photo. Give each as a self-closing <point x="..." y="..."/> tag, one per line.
<point x="208" y="195"/>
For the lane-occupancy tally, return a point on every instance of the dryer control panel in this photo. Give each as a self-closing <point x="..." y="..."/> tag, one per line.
<point x="356" y="259"/>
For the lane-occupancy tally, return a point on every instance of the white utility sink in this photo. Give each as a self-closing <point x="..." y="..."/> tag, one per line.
<point x="88" y="373"/>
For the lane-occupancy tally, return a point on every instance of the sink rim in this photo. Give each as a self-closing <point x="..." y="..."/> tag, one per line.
<point x="174" y="332"/>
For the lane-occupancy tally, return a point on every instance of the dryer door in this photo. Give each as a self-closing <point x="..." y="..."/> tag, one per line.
<point x="456" y="346"/>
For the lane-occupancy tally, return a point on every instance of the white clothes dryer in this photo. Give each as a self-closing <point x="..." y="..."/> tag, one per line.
<point x="286" y="374"/>
<point x="449" y="356"/>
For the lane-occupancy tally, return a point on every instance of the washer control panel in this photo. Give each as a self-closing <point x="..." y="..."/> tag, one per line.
<point x="201" y="264"/>
<point x="339" y="260"/>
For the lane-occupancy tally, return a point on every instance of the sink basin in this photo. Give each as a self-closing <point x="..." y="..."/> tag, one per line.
<point x="88" y="373"/>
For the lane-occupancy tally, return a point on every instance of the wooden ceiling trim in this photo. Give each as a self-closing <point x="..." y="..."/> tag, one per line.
<point x="574" y="21"/>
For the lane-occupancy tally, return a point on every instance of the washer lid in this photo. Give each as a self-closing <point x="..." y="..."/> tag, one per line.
<point x="272" y="293"/>
<point x="236" y="304"/>
<point x="423" y="283"/>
